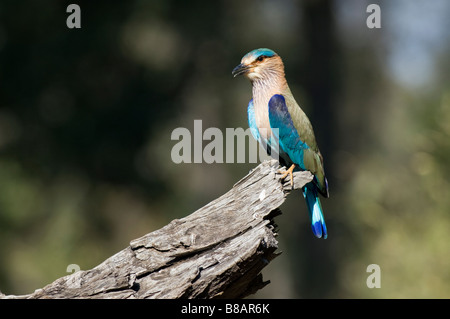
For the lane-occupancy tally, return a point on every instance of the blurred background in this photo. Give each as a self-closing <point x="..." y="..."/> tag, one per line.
<point x="86" y="117"/>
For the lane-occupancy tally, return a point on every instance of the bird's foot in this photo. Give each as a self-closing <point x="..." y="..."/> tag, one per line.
<point x="288" y="172"/>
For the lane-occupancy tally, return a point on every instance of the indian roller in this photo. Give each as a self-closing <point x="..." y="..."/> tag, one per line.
<point x="274" y="115"/>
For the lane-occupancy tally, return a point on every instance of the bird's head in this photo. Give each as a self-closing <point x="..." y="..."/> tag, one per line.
<point x="259" y="64"/>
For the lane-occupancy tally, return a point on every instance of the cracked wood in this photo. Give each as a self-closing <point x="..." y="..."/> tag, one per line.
<point x="216" y="252"/>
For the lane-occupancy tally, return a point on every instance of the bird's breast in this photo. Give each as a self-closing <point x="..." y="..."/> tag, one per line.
<point x="262" y="121"/>
<point x="261" y="105"/>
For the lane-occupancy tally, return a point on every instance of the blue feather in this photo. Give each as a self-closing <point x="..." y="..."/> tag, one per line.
<point x="285" y="131"/>
<point x="315" y="210"/>
<point x="258" y="52"/>
<point x="252" y="121"/>
<point x="291" y="144"/>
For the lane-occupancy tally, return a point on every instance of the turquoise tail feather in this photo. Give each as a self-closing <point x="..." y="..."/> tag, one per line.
<point x="315" y="211"/>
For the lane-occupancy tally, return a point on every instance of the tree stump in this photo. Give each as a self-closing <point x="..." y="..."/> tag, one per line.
<point x="216" y="252"/>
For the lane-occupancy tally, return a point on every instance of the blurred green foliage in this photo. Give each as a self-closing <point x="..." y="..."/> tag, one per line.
<point x="86" y="117"/>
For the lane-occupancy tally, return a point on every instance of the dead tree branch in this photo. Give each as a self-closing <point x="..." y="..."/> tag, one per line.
<point x="216" y="252"/>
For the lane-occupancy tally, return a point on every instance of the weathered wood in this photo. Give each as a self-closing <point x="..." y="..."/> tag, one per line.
<point x="216" y="252"/>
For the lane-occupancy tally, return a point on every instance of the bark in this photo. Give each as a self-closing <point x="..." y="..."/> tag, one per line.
<point x="216" y="252"/>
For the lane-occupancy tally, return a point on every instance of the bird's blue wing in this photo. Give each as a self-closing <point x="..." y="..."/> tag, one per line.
<point x="252" y="121"/>
<point x="289" y="140"/>
<point x="284" y="130"/>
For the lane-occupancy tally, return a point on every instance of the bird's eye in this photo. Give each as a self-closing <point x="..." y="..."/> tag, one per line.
<point x="260" y="58"/>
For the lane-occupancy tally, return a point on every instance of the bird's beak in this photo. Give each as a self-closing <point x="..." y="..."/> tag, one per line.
<point x="240" y="69"/>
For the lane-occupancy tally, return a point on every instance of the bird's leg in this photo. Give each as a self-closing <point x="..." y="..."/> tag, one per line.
<point x="289" y="172"/>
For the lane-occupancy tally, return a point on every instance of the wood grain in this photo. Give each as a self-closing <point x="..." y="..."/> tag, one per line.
<point x="216" y="252"/>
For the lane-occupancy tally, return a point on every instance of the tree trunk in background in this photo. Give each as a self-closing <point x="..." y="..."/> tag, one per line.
<point x="319" y="81"/>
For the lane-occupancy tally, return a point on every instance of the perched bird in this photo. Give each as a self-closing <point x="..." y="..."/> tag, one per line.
<point x="273" y="110"/>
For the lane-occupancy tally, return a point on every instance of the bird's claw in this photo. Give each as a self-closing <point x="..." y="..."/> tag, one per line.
<point x="289" y="171"/>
